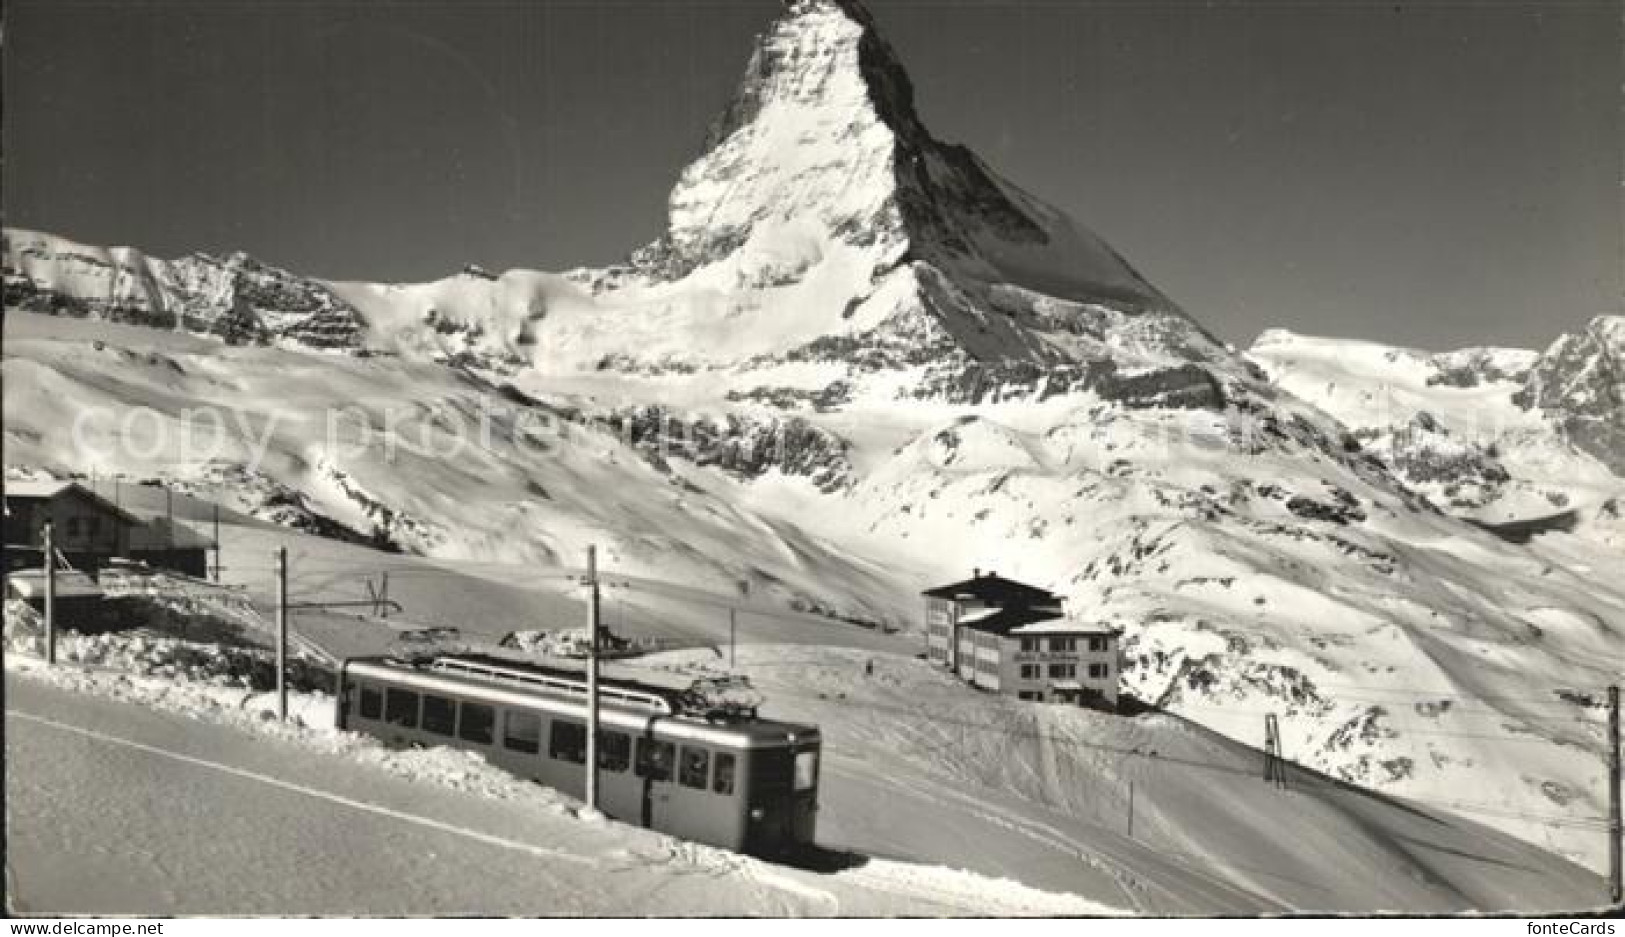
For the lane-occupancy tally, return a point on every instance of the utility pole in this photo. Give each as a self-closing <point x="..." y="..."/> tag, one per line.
<point x="1615" y="828"/>
<point x="217" y="541"/>
<point x="1274" y="769"/>
<point x="282" y="633"/>
<point x="592" y="678"/>
<point x="733" y="622"/>
<point x="1280" y="755"/>
<point x="50" y="595"/>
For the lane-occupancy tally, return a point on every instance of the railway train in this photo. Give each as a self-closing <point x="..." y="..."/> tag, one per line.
<point x="666" y="760"/>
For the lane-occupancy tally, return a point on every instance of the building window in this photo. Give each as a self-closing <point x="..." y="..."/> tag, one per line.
<point x="1029" y="671"/>
<point x="1098" y="671"/>
<point x="1028" y="645"/>
<point x="1097" y="643"/>
<point x="1062" y="671"/>
<point x="1030" y="696"/>
<point x="1066" y="645"/>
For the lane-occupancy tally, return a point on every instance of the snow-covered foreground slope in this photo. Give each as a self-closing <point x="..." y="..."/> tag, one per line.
<point x="193" y="808"/>
<point x="860" y="363"/>
<point x="918" y="782"/>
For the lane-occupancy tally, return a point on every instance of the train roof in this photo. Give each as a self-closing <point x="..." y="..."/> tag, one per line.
<point x="621" y="699"/>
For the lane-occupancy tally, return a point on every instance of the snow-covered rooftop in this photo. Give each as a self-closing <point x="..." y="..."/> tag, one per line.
<point x="36" y="489"/>
<point x="52" y="487"/>
<point x="1065" y="626"/>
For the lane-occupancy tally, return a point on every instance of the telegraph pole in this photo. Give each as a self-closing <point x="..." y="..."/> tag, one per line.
<point x="733" y="622"/>
<point x="50" y="595"/>
<point x="217" y="540"/>
<point x="1615" y="828"/>
<point x="592" y="678"/>
<point x="282" y="633"/>
<point x="1274" y="770"/>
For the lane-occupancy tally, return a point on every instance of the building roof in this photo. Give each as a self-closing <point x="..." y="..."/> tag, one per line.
<point x="1063" y="626"/>
<point x="995" y="590"/>
<point x="53" y="488"/>
<point x="1005" y="620"/>
<point x="48" y="488"/>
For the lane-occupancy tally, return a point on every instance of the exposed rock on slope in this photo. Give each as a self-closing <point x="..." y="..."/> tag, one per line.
<point x="235" y="298"/>
<point x="1580" y="383"/>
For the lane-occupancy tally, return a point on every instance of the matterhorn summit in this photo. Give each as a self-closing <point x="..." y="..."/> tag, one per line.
<point x="822" y="143"/>
<point x="830" y="216"/>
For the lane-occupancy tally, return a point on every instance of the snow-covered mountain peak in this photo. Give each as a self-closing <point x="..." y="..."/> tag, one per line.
<point x="1580" y="380"/>
<point x="823" y="224"/>
<point x="820" y="162"/>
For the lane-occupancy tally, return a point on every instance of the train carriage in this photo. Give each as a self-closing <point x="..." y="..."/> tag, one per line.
<point x="726" y="779"/>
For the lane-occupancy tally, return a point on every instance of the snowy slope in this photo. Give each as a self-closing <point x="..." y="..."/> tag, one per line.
<point x="200" y="809"/>
<point x="1496" y="434"/>
<point x="1032" y="798"/>
<point x="860" y="363"/>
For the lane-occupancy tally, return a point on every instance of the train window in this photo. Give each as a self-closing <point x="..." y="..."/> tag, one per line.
<point x="523" y="732"/>
<point x="475" y="723"/>
<point x="695" y="768"/>
<point x="806" y="770"/>
<point x="372" y="702"/>
<point x="401" y="708"/>
<point x="568" y="742"/>
<point x="723" y="782"/>
<point x="439" y="714"/>
<point x="654" y="759"/>
<point x="614" y="751"/>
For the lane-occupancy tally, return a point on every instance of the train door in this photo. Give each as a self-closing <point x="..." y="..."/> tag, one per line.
<point x="655" y="767"/>
<point x="768" y="786"/>
<point x="804" y="796"/>
<point x="700" y="813"/>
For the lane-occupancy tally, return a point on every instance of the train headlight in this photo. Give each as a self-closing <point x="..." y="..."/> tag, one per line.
<point x="756" y="813"/>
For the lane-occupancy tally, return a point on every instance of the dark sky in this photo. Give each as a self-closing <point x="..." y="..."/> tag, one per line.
<point x="1427" y="173"/>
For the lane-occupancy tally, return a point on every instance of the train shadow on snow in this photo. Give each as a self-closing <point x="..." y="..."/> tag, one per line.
<point x="825" y="860"/>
